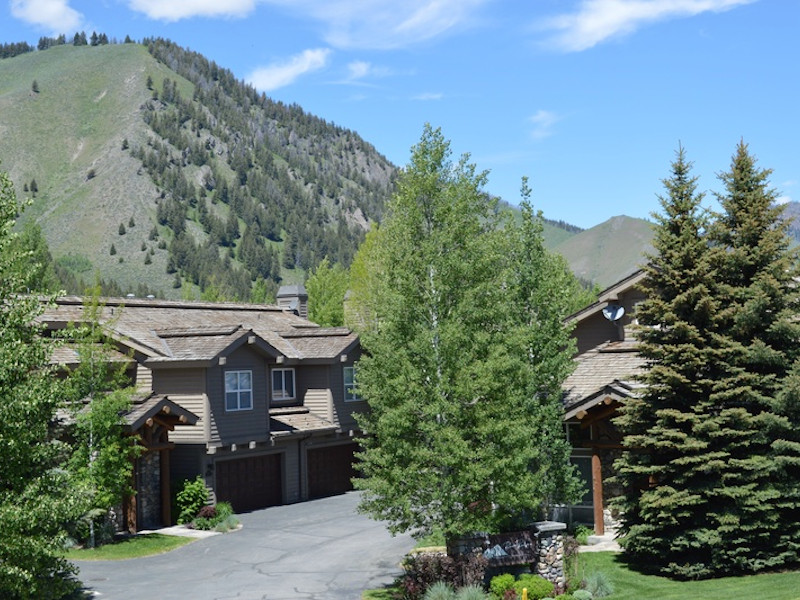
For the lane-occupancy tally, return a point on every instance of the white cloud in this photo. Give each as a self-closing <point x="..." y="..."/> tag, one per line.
<point x="175" y="10"/>
<point x="543" y="122"/>
<point x="56" y="15"/>
<point x="428" y="96"/>
<point x="281" y="74"/>
<point x="596" y="21"/>
<point x="373" y="24"/>
<point x="384" y="24"/>
<point x="783" y="199"/>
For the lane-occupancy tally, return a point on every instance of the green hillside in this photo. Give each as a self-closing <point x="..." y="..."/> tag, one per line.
<point x="608" y="252"/>
<point x="88" y="102"/>
<point x="223" y="186"/>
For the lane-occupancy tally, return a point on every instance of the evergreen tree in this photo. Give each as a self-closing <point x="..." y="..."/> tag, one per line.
<point x="708" y="487"/>
<point x="757" y="273"/>
<point x="663" y="470"/>
<point x="35" y="498"/>
<point x="458" y="396"/>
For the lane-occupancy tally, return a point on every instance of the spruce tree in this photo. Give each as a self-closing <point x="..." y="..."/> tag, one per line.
<point x="749" y="427"/>
<point x="710" y="447"/>
<point x="663" y="470"/>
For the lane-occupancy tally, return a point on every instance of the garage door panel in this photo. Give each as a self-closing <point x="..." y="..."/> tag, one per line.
<point x="250" y="483"/>
<point x="330" y="470"/>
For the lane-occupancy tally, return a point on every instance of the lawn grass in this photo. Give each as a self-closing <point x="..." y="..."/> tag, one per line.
<point x="133" y="547"/>
<point x="630" y="585"/>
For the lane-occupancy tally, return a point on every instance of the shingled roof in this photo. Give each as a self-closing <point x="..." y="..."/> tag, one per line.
<point x="165" y="331"/>
<point x="610" y="370"/>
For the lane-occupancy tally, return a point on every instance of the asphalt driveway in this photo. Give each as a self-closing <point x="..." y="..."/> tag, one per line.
<point x="317" y="550"/>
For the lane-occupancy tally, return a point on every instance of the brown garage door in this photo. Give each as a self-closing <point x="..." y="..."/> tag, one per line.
<point x="250" y="483"/>
<point x="330" y="470"/>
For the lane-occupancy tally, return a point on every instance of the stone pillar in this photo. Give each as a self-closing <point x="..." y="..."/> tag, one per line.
<point x="550" y="547"/>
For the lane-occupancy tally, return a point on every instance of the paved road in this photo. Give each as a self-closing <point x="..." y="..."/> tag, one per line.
<point x="317" y="550"/>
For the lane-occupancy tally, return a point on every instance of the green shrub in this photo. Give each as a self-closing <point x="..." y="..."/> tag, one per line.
<point x="582" y="533"/>
<point x="582" y="595"/>
<point x="471" y="592"/>
<point x="439" y="591"/>
<point x="219" y="517"/>
<point x="190" y="499"/>
<point x="499" y="584"/>
<point x="538" y="587"/>
<point x="598" y="584"/>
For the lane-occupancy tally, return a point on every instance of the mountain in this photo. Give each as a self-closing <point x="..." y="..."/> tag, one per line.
<point x="149" y="164"/>
<point x="153" y="168"/>
<point x="608" y="252"/>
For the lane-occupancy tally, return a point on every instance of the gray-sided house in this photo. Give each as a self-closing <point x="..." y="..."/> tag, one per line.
<point x="254" y="398"/>
<point x="606" y="365"/>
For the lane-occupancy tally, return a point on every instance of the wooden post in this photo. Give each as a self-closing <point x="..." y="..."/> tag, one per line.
<point x="597" y="493"/>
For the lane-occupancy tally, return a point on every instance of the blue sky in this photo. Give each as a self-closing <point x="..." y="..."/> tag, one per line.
<point x="588" y="98"/>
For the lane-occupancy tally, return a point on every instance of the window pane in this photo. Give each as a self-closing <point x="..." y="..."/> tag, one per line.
<point x="230" y="381"/>
<point x="277" y="383"/>
<point x="244" y="381"/>
<point x="289" y="383"/>
<point x="348" y="375"/>
<point x="231" y="401"/>
<point x="245" y="400"/>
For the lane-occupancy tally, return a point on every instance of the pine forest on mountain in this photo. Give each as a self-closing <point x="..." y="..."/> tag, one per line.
<point x="154" y="170"/>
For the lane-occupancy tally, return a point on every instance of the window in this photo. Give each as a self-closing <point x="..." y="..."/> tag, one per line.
<point x="238" y="390"/>
<point x="282" y="384"/>
<point x="350" y="394"/>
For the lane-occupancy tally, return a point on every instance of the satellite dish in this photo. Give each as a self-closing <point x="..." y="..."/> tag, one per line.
<point x="613" y="313"/>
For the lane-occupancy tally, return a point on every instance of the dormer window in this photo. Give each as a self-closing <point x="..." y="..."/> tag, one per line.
<point x="283" y="384"/>
<point x="238" y="390"/>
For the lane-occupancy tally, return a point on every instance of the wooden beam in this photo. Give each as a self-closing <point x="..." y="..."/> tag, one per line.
<point x="597" y="492"/>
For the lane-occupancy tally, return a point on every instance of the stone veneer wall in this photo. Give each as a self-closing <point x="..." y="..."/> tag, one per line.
<point x="550" y="563"/>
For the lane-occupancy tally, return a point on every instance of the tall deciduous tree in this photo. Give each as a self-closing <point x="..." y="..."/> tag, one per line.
<point x="460" y="428"/>
<point x="326" y="289"/>
<point x="35" y="500"/>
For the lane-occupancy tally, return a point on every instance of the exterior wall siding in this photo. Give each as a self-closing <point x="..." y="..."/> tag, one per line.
<point x="179" y="381"/>
<point x="320" y="402"/>
<point x="241" y="426"/>
<point x="197" y="433"/>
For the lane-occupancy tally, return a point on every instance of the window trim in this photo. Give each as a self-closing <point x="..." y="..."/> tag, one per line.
<point x="350" y="395"/>
<point x="239" y="390"/>
<point x="282" y="397"/>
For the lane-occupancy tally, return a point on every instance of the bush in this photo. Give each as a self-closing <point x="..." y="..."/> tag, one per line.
<point x="538" y="587"/>
<point x="598" y="584"/>
<point x="500" y="584"/>
<point x="471" y="592"/>
<point x="582" y="533"/>
<point x="582" y="595"/>
<point x="218" y="518"/>
<point x="425" y="569"/>
<point x="439" y="591"/>
<point x="192" y="497"/>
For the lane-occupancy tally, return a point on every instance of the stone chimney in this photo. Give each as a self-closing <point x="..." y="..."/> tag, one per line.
<point x="294" y="298"/>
